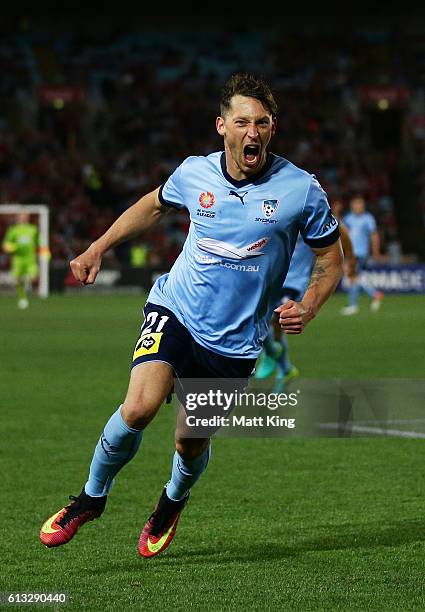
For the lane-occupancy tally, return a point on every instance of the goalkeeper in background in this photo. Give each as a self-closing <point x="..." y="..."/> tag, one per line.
<point x="21" y="242"/>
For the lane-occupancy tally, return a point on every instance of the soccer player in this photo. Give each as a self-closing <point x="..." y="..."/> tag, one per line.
<point x="275" y="360"/>
<point x="21" y="242"/>
<point x="365" y="238"/>
<point x="209" y="315"/>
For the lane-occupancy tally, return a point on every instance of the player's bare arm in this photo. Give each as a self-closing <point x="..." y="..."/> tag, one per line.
<point x="145" y="213"/>
<point x="347" y="247"/>
<point x="327" y="271"/>
<point x="375" y="245"/>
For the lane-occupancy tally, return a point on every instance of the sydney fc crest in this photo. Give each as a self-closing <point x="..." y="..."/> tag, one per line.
<point x="270" y="207"/>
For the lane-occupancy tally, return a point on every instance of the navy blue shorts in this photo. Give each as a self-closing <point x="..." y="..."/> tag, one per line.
<point x="164" y="338"/>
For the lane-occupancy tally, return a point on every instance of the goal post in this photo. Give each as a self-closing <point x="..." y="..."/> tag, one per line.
<point x="42" y="213"/>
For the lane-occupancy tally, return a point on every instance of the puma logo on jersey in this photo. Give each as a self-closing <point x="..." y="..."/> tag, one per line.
<point x="232" y="192"/>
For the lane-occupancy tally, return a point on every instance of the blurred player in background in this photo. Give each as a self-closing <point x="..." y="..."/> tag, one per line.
<point x="364" y="235"/>
<point x="208" y="317"/>
<point x="21" y="242"/>
<point x="275" y="360"/>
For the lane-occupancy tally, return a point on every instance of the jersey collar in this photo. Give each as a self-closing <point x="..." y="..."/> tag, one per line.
<point x="248" y="180"/>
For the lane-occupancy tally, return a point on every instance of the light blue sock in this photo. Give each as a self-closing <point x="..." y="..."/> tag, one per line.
<point x="368" y="289"/>
<point x="284" y="361"/>
<point x="353" y="294"/>
<point x="269" y="344"/>
<point x="117" y="445"/>
<point x="185" y="473"/>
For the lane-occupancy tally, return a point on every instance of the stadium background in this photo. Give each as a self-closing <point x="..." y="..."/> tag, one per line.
<point x="93" y="117"/>
<point x="100" y="107"/>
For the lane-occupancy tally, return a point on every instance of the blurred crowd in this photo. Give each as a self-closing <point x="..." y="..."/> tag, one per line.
<point x="89" y="123"/>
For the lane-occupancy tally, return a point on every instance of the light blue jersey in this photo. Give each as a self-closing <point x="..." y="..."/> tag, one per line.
<point x="300" y="268"/>
<point x="360" y="227"/>
<point x="227" y="279"/>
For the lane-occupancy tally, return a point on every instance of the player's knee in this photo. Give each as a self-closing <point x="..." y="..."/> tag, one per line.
<point x="190" y="448"/>
<point x="138" y="414"/>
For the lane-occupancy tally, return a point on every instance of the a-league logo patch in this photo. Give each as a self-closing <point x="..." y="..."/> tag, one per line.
<point x="270" y="207"/>
<point x="206" y="200"/>
<point x="147" y="344"/>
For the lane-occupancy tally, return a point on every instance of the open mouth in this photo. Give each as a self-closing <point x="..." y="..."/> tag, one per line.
<point x="251" y="153"/>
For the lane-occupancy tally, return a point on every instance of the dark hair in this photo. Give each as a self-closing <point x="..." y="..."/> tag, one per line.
<point x="356" y="195"/>
<point x="244" y="84"/>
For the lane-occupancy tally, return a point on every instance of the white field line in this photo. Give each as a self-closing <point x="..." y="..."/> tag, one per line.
<point x="393" y="421"/>
<point x="395" y="433"/>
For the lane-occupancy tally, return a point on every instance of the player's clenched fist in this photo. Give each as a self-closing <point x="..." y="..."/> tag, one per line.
<point x="293" y="317"/>
<point x="86" y="266"/>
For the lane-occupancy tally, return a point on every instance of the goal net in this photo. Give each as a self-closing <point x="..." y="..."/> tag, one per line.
<point x="39" y="216"/>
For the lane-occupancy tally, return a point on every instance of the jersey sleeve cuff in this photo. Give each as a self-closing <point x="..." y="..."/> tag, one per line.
<point x="165" y="202"/>
<point x="320" y="243"/>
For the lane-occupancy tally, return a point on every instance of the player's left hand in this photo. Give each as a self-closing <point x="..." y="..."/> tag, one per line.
<point x="293" y="317"/>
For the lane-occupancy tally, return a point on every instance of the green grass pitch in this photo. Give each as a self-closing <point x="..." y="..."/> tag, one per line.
<point x="298" y="524"/>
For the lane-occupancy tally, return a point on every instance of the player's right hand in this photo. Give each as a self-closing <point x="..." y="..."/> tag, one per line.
<point x="86" y="266"/>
